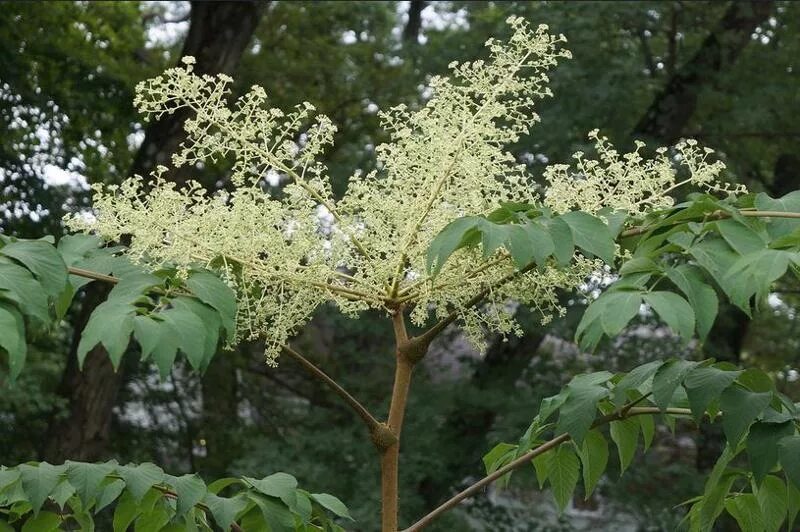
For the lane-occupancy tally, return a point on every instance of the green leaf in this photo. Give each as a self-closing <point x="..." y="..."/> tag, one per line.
<point x="498" y="456"/>
<point x="562" y="240"/>
<point x="126" y="511"/>
<point x="38" y="481"/>
<point x="772" y="499"/>
<point x="140" y="478"/>
<point x="190" y="490"/>
<point x="564" y="473"/>
<point x="716" y="489"/>
<point x="43" y="260"/>
<point x="276" y="515"/>
<point x="667" y="379"/>
<point x="225" y="510"/>
<point x="87" y="478"/>
<point x="633" y="380"/>
<point x="62" y="492"/>
<point x="44" y="522"/>
<point x="716" y="257"/>
<point x="590" y="234"/>
<point x="594" y="458"/>
<point x="615" y="219"/>
<point x="777" y="227"/>
<point x="753" y="275"/>
<point x="639" y="265"/>
<point x="109" y="493"/>
<point x="740" y="237"/>
<point x="704" y="385"/>
<point x="131" y="288"/>
<point x="625" y="433"/>
<point x="189" y="331"/>
<point x="543" y="463"/>
<point x="12" y="338"/>
<point x="648" y="430"/>
<point x="762" y="446"/>
<point x="110" y="324"/>
<point x="740" y="407"/>
<point x="541" y="241"/>
<point x="153" y="519"/>
<point x="211" y="323"/>
<point x="8" y="477"/>
<point x="747" y="512"/>
<point x="550" y="405"/>
<point x="625" y="307"/>
<point x="701" y="296"/>
<point x="84" y="520"/>
<point x="18" y="285"/>
<point x="674" y="311"/>
<point x="222" y="483"/>
<point x="213" y="292"/>
<point x="78" y="246"/>
<point x="579" y="410"/>
<point x="789" y="455"/>
<point x="333" y="504"/>
<point x="281" y="485"/>
<point x="448" y="241"/>
<point x="793" y="505"/>
<point x="303" y="508"/>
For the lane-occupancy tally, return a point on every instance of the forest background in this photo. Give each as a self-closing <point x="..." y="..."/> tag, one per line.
<point x="724" y="73"/>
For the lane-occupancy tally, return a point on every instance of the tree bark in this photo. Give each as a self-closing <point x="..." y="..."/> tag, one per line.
<point x="414" y="23"/>
<point x="218" y="35"/>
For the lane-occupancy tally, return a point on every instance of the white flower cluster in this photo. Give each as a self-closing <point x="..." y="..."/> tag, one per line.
<point x="444" y="160"/>
<point x="630" y="182"/>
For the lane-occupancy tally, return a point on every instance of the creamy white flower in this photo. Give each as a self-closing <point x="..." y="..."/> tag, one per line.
<point x="444" y="160"/>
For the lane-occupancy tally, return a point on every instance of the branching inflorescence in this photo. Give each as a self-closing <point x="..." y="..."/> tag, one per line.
<point x="287" y="256"/>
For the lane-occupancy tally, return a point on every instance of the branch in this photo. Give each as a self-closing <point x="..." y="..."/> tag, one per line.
<point x="530" y="455"/>
<point x="93" y="275"/>
<point x="373" y="424"/>
<point x="719" y="215"/>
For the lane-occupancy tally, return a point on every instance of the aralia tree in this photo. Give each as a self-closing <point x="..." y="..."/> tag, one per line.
<point x="449" y="232"/>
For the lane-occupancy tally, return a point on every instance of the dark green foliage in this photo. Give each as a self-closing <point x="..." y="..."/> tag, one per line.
<point x="745" y="402"/>
<point x="529" y="233"/>
<point x="165" y="311"/>
<point x="41" y="496"/>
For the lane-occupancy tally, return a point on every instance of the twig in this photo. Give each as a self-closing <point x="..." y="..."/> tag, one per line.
<point x="372" y="424"/>
<point x="719" y="215"/>
<point x="93" y="275"/>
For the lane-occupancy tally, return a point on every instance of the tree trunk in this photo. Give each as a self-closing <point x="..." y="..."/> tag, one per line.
<point x="668" y="115"/>
<point x="218" y="35"/>
<point x="414" y="23"/>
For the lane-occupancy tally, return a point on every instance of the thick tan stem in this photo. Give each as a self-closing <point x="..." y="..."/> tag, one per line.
<point x="406" y="354"/>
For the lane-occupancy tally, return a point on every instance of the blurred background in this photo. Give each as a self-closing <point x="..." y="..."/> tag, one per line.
<point x="725" y="73"/>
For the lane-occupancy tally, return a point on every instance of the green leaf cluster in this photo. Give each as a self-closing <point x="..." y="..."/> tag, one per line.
<point x="757" y="421"/>
<point x="45" y="497"/>
<point x="165" y="311"/>
<point x="531" y="234"/>
<point x="682" y="258"/>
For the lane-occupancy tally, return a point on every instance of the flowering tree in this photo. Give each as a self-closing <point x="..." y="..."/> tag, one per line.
<point x="446" y="233"/>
